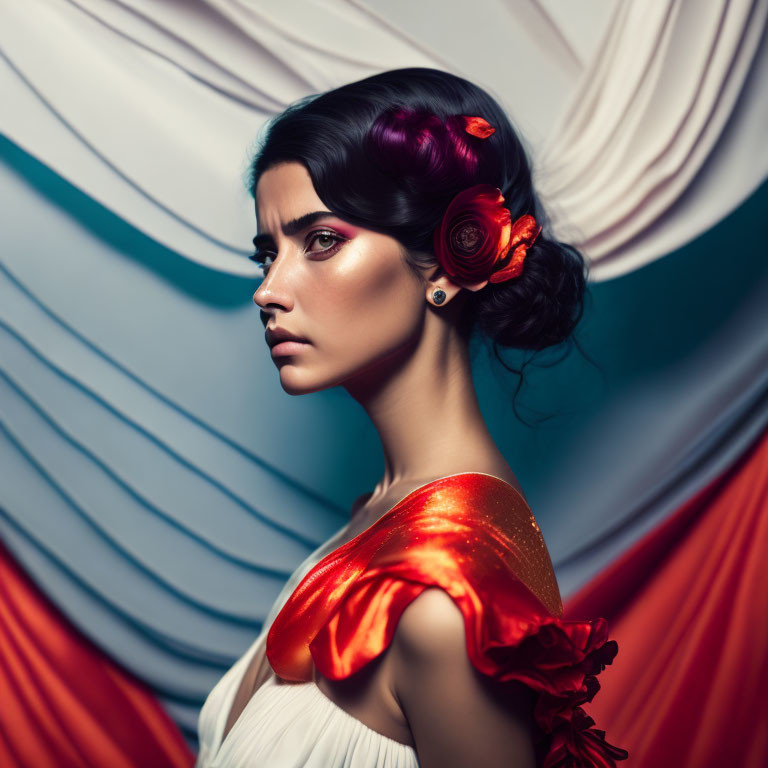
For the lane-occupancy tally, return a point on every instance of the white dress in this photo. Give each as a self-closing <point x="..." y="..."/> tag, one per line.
<point x="287" y="724"/>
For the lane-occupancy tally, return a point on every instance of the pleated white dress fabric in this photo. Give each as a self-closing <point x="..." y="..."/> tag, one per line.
<point x="286" y="724"/>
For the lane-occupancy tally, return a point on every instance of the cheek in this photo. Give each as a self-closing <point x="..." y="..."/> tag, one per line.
<point x="367" y="304"/>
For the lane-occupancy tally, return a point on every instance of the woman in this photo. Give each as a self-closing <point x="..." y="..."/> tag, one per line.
<point x="395" y="215"/>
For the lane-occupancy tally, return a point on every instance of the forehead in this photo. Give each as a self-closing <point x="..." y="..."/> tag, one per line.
<point x="284" y="192"/>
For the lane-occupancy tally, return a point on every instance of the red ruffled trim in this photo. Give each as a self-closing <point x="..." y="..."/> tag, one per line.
<point x="560" y="660"/>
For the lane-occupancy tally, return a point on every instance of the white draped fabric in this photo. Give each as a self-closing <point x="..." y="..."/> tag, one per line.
<point x="640" y="142"/>
<point x="665" y="132"/>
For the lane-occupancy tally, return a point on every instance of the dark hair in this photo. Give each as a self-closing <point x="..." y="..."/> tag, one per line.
<point x="390" y="152"/>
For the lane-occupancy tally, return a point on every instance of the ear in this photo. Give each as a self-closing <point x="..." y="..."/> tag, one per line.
<point x="451" y="286"/>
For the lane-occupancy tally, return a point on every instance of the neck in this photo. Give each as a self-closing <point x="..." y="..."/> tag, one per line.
<point x="423" y="403"/>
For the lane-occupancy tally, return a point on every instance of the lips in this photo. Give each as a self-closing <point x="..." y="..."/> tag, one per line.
<point x="289" y="347"/>
<point x="276" y="336"/>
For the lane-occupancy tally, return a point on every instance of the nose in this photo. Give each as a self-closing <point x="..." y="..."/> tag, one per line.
<point x="273" y="291"/>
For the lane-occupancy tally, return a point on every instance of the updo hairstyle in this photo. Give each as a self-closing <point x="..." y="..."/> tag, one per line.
<point x="390" y="152"/>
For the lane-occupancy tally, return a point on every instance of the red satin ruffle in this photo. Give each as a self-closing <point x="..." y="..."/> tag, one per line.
<point x="474" y="536"/>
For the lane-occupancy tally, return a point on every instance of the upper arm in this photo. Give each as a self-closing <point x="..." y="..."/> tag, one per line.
<point x="458" y="716"/>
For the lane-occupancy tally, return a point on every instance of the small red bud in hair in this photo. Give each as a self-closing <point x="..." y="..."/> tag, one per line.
<point x="478" y="126"/>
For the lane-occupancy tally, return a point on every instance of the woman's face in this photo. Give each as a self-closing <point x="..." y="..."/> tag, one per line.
<point x="346" y="290"/>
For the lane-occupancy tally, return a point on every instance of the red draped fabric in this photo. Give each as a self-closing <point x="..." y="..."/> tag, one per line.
<point x="688" y="606"/>
<point x="474" y="536"/>
<point x="63" y="703"/>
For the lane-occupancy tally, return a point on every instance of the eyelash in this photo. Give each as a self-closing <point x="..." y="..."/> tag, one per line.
<point x="260" y="254"/>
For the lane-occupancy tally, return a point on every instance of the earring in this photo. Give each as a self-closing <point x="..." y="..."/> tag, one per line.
<point x="438" y="295"/>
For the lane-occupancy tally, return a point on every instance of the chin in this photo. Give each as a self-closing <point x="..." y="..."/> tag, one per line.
<point x="294" y="381"/>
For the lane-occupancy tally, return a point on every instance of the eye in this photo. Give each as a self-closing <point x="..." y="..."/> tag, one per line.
<point x="326" y="235"/>
<point x="263" y="258"/>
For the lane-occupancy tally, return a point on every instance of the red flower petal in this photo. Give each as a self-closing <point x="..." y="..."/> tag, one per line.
<point x="478" y="126"/>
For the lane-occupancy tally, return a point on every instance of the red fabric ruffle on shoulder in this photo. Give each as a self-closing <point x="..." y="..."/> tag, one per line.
<point x="474" y="536"/>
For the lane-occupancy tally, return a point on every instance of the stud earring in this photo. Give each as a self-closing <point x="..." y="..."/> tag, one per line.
<point x="438" y="295"/>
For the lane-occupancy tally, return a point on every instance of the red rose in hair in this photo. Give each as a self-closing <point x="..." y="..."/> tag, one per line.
<point x="476" y="234"/>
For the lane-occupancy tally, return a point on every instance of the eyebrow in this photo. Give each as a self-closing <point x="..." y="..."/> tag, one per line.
<point x="293" y="227"/>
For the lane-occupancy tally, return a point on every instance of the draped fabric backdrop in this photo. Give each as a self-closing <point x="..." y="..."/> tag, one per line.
<point x="157" y="487"/>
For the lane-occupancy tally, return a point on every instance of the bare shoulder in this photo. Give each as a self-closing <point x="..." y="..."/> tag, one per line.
<point x="430" y="627"/>
<point x="457" y="715"/>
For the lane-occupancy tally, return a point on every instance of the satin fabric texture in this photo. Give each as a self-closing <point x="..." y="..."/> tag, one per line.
<point x="473" y="535"/>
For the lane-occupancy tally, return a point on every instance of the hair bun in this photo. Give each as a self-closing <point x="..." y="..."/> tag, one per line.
<point x="542" y="306"/>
